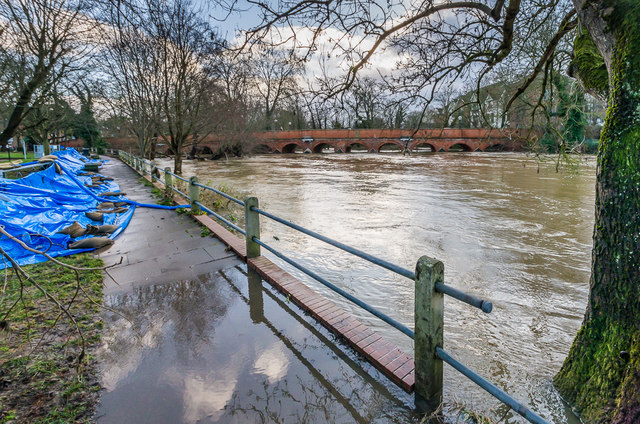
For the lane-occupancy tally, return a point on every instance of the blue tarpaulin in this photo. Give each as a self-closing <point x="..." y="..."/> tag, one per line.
<point x="36" y="207"/>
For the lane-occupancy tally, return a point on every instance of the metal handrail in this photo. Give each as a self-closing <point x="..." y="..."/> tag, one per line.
<point x="221" y="218"/>
<point x="178" y="177"/>
<point x="484" y="305"/>
<point x="492" y="389"/>
<point x="349" y="249"/>
<point x="395" y="324"/>
<point x="179" y="192"/>
<point x="221" y="193"/>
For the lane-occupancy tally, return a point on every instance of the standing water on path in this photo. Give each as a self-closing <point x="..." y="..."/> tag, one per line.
<point x="507" y="227"/>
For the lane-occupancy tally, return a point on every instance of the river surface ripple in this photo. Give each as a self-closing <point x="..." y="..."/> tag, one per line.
<point x="508" y="227"/>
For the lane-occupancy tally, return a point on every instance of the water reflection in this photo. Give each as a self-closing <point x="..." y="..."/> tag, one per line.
<point x="507" y="228"/>
<point x="222" y="349"/>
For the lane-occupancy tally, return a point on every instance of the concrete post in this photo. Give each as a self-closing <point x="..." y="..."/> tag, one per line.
<point x="194" y="194"/>
<point x="167" y="182"/>
<point x="252" y="227"/>
<point x="429" y="321"/>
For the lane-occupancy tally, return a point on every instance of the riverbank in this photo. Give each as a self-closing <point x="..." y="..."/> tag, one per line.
<point x="43" y="377"/>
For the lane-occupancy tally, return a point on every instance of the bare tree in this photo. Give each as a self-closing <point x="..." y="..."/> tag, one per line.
<point x="133" y="85"/>
<point x="163" y="70"/>
<point x="365" y="103"/>
<point x="185" y="48"/>
<point x="274" y="77"/>
<point x="41" y="43"/>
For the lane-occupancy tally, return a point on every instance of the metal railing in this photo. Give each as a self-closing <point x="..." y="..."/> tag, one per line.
<point x="429" y="283"/>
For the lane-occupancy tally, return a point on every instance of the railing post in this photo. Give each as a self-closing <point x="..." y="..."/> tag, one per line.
<point x="429" y="321"/>
<point x="194" y="194"/>
<point x="252" y="227"/>
<point x="167" y="182"/>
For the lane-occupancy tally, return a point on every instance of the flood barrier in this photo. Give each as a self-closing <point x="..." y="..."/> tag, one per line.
<point x="430" y="289"/>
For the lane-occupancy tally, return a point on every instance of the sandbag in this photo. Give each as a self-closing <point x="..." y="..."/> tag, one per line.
<point x="47" y="158"/>
<point x="106" y="205"/>
<point x="57" y="168"/>
<point x="119" y="204"/>
<point x="11" y="164"/>
<point x="101" y="229"/>
<point x="74" y="230"/>
<point x="91" y="243"/>
<point x="94" y="216"/>
<point x="112" y="193"/>
<point x="101" y="178"/>
<point x="116" y="210"/>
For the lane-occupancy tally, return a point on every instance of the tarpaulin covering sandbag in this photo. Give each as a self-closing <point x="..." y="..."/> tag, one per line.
<point x="36" y="207"/>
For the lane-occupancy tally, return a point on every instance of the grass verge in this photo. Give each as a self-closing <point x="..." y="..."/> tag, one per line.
<point x="41" y="380"/>
<point x="219" y="204"/>
<point x="4" y="156"/>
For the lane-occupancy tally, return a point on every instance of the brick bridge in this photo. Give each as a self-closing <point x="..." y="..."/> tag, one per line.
<point x="345" y="141"/>
<point x="375" y="141"/>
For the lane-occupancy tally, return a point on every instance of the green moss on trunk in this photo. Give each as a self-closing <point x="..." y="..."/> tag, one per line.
<point x="588" y="65"/>
<point x="601" y="375"/>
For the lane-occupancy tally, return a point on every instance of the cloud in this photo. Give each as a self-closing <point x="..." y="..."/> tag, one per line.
<point x="333" y="52"/>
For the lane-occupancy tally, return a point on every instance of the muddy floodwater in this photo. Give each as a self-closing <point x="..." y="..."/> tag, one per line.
<point x="508" y="227"/>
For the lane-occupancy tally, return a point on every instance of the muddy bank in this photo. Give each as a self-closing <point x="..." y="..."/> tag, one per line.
<point x="44" y="375"/>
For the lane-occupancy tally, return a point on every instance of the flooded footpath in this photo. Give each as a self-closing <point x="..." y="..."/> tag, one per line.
<point x="507" y="227"/>
<point x="191" y="337"/>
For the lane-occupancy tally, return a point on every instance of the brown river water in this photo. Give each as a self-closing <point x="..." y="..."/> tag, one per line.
<point x="508" y="227"/>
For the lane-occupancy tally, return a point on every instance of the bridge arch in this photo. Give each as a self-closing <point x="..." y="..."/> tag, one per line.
<point x="358" y="147"/>
<point x="459" y="147"/>
<point x="206" y="150"/>
<point x="424" y="147"/>
<point x="260" y="149"/>
<point x="292" y="148"/>
<point x="323" y="148"/>
<point x="498" y="147"/>
<point x="391" y="147"/>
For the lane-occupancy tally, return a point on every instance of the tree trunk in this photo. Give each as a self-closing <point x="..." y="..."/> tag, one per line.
<point x="152" y="149"/>
<point x="46" y="146"/>
<point x="20" y="109"/>
<point x="601" y="375"/>
<point x="177" y="162"/>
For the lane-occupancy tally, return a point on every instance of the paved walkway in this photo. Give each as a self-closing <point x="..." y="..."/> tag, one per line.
<point x="159" y="245"/>
<point x="192" y="337"/>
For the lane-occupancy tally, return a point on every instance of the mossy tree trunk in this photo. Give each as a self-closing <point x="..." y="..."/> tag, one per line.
<point x="601" y="375"/>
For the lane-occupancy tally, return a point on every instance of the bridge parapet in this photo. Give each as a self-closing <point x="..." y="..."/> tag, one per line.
<point x="371" y="140"/>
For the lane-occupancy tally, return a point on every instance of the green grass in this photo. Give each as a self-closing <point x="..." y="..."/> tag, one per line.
<point x="39" y="348"/>
<point x="4" y="156"/>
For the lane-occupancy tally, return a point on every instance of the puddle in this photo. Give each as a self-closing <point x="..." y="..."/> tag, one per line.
<point x="226" y="349"/>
